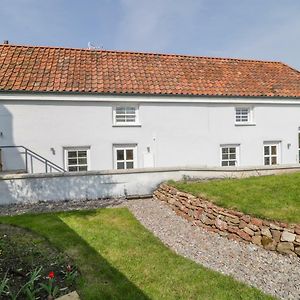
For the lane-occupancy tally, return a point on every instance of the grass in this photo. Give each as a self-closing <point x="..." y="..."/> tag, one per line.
<point x="275" y="197"/>
<point x="119" y="259"/>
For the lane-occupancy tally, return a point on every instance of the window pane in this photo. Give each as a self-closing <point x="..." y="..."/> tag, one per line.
<point x="274" y="150"/>
<point x="232" y="163"/>
<point x="72" y="161"/>
<point x="266" y="150"/>
<point x="129" y="165"/>
<point x="82" y="153"/>
<point x="130" y="110"/>
<point x="72" y="153"/>
<point x="224" y="150"/>
<point x="120" y="165"/>
<point x="274" y="160"/>
<point x="72" y="169"/>
<point x="120" y="154"/>
<point x="82" y="161"/>
<point x="120" y="110"/>
<point x="129" y="154"/>
<point x="267" y="161"/>
<point x="232" y="150"/>
<point x="232" y="156"/>
<point x="224" y="163"/>
<point x="82" y="168"/>
<point x="225" y="156"/>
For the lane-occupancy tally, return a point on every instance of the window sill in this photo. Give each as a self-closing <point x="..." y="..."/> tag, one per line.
<point x="245" y="124"/>
<point x="127" y="125"/>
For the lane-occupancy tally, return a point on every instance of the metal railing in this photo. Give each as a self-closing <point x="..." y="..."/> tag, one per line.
<point x="29" y="157"/>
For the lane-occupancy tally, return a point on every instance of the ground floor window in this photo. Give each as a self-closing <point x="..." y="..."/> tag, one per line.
<point x="125" y="156"/>
<point x="271" y="153"/>
<point x="77" y="159"/>
<point x="229" y="155"/>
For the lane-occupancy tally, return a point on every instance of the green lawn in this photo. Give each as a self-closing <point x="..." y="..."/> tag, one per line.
<point x="119" y="259"/>
<point x="271" y="197"/>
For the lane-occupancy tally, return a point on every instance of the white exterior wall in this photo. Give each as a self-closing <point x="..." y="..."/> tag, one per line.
<point x="184" y="133"/>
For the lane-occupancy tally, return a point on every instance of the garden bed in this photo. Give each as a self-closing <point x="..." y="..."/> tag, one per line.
<point x="30" y="268"/>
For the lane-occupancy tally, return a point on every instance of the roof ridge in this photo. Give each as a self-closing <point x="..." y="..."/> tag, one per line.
<point x="145" y="53"/>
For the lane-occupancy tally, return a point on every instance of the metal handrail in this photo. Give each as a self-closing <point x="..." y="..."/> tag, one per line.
<point x="48" y="164"/>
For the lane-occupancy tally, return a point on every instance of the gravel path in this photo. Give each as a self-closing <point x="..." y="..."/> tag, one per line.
<point x="271" y="272"/>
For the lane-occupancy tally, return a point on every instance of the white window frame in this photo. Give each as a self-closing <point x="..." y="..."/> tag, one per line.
<point x="76" y="148"/>
<point x="270" y="155"/>
<point x="237" y="154"/>
<point x="250" y="116"/>
<point x="125" y="147"/>
<point x="126" y="124"/>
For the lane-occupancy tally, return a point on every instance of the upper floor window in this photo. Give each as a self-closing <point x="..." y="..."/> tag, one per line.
<point x="242" y="114"/>
<point x="77" y="159"/>
<point x="125" y="115"/>
<point x="229" y="155"/>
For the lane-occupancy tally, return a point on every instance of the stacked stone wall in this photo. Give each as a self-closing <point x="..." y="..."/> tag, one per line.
<point x="274" y="236"/>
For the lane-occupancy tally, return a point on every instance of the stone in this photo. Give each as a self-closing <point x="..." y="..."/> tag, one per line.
<point x="297" y="251"/>
<point x="249" y="231"/>
<point x="256" y="239"/>
<point x="232" y="229"/>
<point x="275" y="227"/>
<point x="234" y="220"/>
<point x="246" y="218"/>
<point x="70" y="296"/>
<point x="242" y="224"/>
<point x="287" y="236"/>
<point x="297" y="239"/>
<point x="253" y="227"/>
<point x="211" y="216"/>
<point x="234" y="237"/>
<point x="265" y="241"/>
<point x="297" y="230"/>
<point x="256" y="222"/>
<point x="221" y="224"/>
<point x="244" y="235"/>
<point x="266" y="232"/>
<point x="269" y="244"/>
<point x="285" y="247"/>
<point x="205" y="220"/>
<point x="276" y="234"/>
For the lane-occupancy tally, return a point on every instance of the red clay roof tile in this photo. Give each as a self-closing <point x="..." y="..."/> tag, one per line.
<point x="50" y="69"/>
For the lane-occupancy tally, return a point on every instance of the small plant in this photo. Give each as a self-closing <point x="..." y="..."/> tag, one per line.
<point x="4" y="288"/>
<point x="29" y="288"/>
<point x="51" y="289"/>
<point x="70" y="275"/>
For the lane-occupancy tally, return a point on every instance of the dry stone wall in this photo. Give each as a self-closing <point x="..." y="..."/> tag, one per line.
<point x="274" y="236"/>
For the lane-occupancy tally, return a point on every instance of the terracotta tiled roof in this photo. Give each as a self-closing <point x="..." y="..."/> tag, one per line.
<point x="50" y="69"/>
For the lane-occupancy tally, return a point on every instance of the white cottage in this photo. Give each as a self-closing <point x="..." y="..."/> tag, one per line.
<point x="79" y="109"/>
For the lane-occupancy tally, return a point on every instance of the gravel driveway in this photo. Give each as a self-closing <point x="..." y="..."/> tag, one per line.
<point x="271" y="272"/>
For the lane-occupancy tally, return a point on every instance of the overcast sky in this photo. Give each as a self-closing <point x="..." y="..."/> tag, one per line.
<point x="255" y="29"/>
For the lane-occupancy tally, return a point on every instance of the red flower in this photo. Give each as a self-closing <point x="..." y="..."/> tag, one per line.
<point x="51" y="275"/>
<point x="69" y="268"/>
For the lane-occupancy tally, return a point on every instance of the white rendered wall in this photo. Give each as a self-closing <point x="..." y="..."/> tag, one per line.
<point x="178" y="134"/>
<point x="31" y="188"/>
